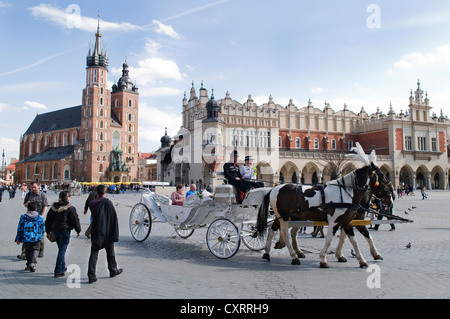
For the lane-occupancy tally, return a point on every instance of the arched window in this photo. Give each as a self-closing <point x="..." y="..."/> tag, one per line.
<point x="100" y="169"/>
<point x="36" y="169"/>
<point x="101" y="124"/>
<point x="46" y="172"/>
<point x="101" y="147"/>
<point x="28" y="172"/>
<point x="55" y="171"/>
<point x="115" y="140"/>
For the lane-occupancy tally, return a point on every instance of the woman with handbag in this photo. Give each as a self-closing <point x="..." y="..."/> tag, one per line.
<point x="61" y="219"/>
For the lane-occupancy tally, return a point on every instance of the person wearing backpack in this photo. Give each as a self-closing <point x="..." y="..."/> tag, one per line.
<point x="30" y="232"/>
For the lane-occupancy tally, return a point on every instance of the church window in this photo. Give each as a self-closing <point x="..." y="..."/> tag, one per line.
<point x="95" y="75"/>
<point x="55" y="171"/>
<point x="101" y="124"/>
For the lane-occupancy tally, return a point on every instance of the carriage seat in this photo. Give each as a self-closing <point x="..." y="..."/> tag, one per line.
<point x="225" y="194"/>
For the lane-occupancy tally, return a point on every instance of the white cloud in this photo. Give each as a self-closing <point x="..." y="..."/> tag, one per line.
<point x="4" y="5"/>
<point x="410" y="61"/>
<point x="35" y="105"/>
<point x="3" y="107"/>
<point x="152" y="70"/>
<point x="168" y="30"/>
<point x="69" y="19"/>
<point x="160" y="91"/>
<point x="151" y="46"/>
<point x="152" y="124"/>
<point x="10" y="146"/>
<point x="317" y="90"/>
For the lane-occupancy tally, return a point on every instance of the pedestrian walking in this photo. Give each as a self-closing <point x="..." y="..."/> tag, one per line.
<point x="30" y="232"/>
<point x="104" y="233"/>
<point x="61" y="219"/>
<point x="91" y="197"/>
<point x="423" y="192"/>
<point x="40" y="200"/>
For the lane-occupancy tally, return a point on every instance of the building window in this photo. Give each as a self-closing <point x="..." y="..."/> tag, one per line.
<point x="28" y="172"/>
<point x="350" y="145"/>
<point x="298" y="143"/>
<point x="316" y="143"/>
<point x="408" y="143"/>
<point x="55" y="171"/>
<point x="333" y="144"/>
<point x="279" y="141"/>
<point x="422" y="143"/>
<point x="434" y="144"/>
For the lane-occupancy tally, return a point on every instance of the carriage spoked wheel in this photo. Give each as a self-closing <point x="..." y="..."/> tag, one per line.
<point x="251" y="238"/>
<point x="140" y="222"/>
<point x="184" y="233"/>
<point x="223" y="238"/>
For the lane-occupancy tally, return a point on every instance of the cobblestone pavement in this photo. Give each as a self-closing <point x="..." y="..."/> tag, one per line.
<point x="167" y="266"/>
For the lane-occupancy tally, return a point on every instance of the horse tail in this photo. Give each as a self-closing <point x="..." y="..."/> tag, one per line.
<point x="261" y="222"/>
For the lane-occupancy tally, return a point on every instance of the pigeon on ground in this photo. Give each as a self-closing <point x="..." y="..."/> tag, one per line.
<point x="353" y="253"/>
<point x="414" y="207"/>
<point x="408" y="246"/>
<point x="406" y="212"/>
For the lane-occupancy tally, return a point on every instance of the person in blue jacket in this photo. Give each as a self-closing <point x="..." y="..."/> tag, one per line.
<point x="30" y="232"/>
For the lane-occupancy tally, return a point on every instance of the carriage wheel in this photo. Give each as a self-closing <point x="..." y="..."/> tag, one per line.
<point x="223" y="238"/>
<point x="140" y="222"/>
<point x="184" y="233"/>
<point x="251" y="238"/>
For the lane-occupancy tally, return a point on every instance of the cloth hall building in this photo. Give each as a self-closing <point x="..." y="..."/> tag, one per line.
<point x="298" y="144"/>
<point x="96" y="141"/>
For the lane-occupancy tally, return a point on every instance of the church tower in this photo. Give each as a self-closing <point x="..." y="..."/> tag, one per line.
<point x="125" y="107"/>
<point x="96" y="114"/>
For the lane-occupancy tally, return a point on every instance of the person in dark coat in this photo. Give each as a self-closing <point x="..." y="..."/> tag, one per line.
<point x="104" y="233"/>
<point x="61" y="219"/>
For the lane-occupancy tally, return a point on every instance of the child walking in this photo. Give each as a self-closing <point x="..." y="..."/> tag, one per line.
<point x="30" y="232"/>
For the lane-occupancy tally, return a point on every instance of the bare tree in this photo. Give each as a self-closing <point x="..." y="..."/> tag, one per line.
<point x="335" y="164"/>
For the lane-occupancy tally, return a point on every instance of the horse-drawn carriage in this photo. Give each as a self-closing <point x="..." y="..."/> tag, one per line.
<point x="228" y="222"/>
<point x="340" y="204"/>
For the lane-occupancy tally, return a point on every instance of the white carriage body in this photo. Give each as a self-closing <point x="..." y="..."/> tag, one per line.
<point x="198" y="212"/>
<point x="228" y="221"/>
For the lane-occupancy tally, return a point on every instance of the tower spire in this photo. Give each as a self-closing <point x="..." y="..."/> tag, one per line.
<point x="98" y="57"/>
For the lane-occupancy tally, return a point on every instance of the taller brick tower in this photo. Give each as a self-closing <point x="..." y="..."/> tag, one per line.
<point x="96" y="114"/>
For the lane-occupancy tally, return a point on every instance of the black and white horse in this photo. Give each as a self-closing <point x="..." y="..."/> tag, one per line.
<point x="337" y="202"/>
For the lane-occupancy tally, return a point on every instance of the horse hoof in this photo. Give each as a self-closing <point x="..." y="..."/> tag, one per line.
<point x="342" y="260"/>
<point x="279" y="246"/>
<point x="378" y="257"/>
<point x="301" y="255"/>
<point x="363" y="265"/>
<point x="266" y="257"/>
<point x="324" y="265"/>
<point x="295" y="262"/>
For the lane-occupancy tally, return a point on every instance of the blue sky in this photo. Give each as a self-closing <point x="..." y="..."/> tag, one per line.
<point x="363" y="53"/>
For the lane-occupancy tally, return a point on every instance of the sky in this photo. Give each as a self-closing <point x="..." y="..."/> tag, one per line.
<point x="363" y="53"/>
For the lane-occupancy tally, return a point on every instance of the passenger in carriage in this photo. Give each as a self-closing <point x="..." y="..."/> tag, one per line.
<point x="192" y="190"/>
<point x="177" y="197"/>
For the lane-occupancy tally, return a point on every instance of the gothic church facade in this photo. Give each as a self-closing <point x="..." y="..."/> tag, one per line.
<point x="96" y="141"/>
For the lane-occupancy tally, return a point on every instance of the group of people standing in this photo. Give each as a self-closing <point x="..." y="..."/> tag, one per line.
<point x="61" y="219"/>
